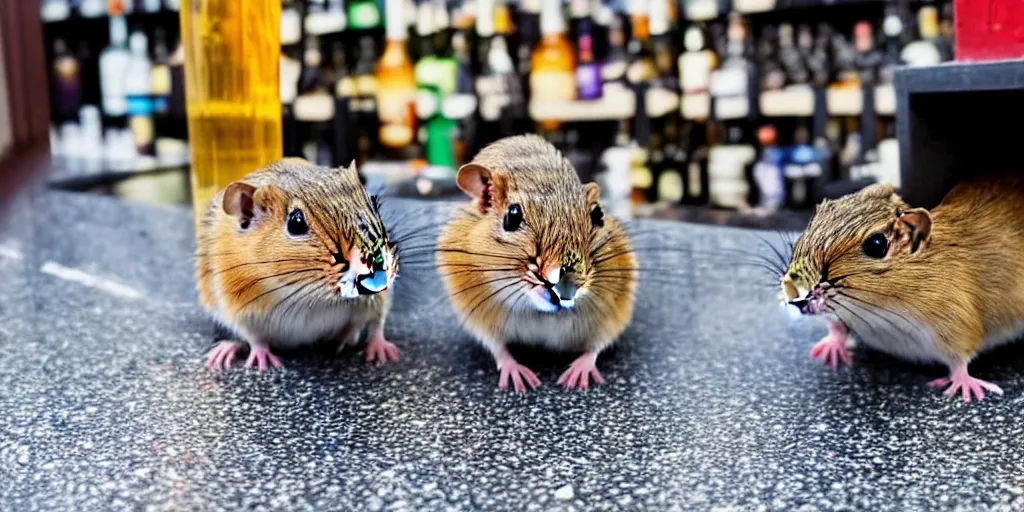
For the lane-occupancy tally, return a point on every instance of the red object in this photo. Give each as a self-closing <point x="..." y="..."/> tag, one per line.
<point x="989" y="29"/>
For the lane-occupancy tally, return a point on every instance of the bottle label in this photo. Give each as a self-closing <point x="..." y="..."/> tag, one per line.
<point x="397" y="111"/>
<point x="694" y="71"/>
<point x="588" y="80"/>
<point x="553" y="85"/>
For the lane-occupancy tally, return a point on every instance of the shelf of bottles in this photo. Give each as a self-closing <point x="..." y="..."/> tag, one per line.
<point x="751" y="104"/>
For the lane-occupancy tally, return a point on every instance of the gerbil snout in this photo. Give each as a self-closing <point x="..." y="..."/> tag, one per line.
<point x="363" y="275"/>
<point x="556" y="290"/>
<point x="809" y="302"/>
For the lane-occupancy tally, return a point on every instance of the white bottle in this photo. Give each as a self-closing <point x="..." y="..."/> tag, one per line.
<point x="151" y="5"/>
<point x="291" y="25"/>
<point x="137" y="89"/>
<point x="113" y="66"/>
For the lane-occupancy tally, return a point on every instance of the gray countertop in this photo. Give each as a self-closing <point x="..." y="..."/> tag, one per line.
<point x="711" y="404"/>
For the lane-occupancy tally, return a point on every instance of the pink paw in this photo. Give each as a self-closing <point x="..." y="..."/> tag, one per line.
<point x="832" y="348"/>
<point x="222" y="355"/>
<point x="521" y="375"/>
<point x="380" y="350"/>
<point x="960" y="380"/>
<point x="260" y="356"/>
<point x="580" y="372"/>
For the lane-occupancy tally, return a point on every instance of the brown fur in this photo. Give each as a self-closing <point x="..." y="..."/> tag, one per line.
<point x="964" y="281"/>
<point x="252" y="279"/>
<point x="481" y="264"/>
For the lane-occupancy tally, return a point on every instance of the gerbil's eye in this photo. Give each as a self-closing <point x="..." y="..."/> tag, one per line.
<point x="597" y="216"/>
<point x="876" y="246"/>
<point x="513" y="218"/>
<point x="297" y="223"/>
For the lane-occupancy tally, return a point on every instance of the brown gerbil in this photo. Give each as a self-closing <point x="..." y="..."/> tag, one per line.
<point x="293" y="254"/>
<point x="533" y="259"/>
<point x="929" y="286"/>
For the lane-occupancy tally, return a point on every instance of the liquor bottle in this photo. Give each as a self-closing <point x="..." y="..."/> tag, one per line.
<point x="323" y="17"/>
<point x="773" y="77"/>
<point x="868" y="59"/>
<point x="792" y="61"/>
<point x="314" y="103"/>
<point x="615" y="178"/>
<point x="613" y="70"/>
<point x="89" y="73"/>
<point x="670" y="184"/>
<point x="818" y="60"/>
<point x="801" y="169"/>
<point x="553" y="63"/>
<point x="160" y="75"/>
<point x="426" y="68"/>
<point x="484" y="34"/>
<point x="442" y="27"/>
<point x="663" y="98"/>
<point x="291" y="23"/>
<point x="290" y="74"/>
<point x="137" y="90"/>
<point x="946" y="32"/>
<point x="68" y="77"/>
<point x="345" y="91"/>
<point x="730" y="84"/>
<point x="771" y="185"/>
<point x="396" y="82"/>
<point x="588" y="73"/>
<point x="113" y="65"/>
<point x="925" y="50"/>
<point x="892" y="27"/>
<point x="366" y="88"/>
<point x="641" y="68"/>
<point x="696" y="63"/>
<point x="365" y="15"/>
<point x="498" y="86"/>
<point x="844" y="62"/>
<point x="529" y="29"/>
<point x="460" y="106"/>
<point x="727" y="166"/>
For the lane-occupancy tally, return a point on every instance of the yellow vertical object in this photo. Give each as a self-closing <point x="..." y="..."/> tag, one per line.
<point x="232" y="59"/>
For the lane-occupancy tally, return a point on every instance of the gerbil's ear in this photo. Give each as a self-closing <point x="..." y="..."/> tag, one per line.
<point x="480" y="184"/>
<point x="239" y="203"/>
<point x="593" y="191"/>
<point x="916" y="225"/>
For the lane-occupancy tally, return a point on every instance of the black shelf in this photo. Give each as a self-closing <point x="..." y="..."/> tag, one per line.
<point x="953" y="122"/>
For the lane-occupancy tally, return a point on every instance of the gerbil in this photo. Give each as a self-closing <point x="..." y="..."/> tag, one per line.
<point x="294" y="254"/>
<point x="533" y="259"/>
<point x="929" y="286"/>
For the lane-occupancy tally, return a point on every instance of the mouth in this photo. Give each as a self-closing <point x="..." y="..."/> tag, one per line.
<point x="552" y="298"/>
<point x="811" y="302"/>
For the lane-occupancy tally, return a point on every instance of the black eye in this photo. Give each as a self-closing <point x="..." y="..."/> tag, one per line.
<point x="597" y="216"/>
<point x="876" y="246"/>
<point x="513" y="218"/>
<point x="297" y="223"/>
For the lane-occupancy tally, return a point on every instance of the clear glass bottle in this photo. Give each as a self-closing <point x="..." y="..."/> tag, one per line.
<point x="553" y="63"/>
<point x="113" y="65"/>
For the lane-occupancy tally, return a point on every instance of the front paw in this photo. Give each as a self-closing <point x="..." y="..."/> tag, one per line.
<point x="831" y="350"/>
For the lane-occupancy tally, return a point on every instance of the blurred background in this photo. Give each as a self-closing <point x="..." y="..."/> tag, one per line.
<point x="744" y="111"/>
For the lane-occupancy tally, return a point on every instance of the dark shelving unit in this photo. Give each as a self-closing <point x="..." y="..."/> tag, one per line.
<point x="955" y="121"/>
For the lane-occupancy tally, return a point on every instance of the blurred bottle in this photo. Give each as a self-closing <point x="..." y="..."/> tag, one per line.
<point x="160" y="74"/>
<point x="366" y="91"/>
<point x="343" y="150"/>
<point x="113" y="64"/>
<point x="397" y="83"/>
<point x="588" y="73"/>
<point x="137" y="89"/>
<point x="232" y="60"/>
<point x="553" y="65"/>
<point x="67" y="74"/>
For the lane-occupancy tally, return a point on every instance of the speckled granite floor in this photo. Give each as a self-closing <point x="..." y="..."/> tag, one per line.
<point x="711" y="402"/>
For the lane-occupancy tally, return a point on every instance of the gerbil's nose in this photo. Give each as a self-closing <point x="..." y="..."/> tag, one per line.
<point x="801" y="304"/>
<point x="566" y="292"/>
